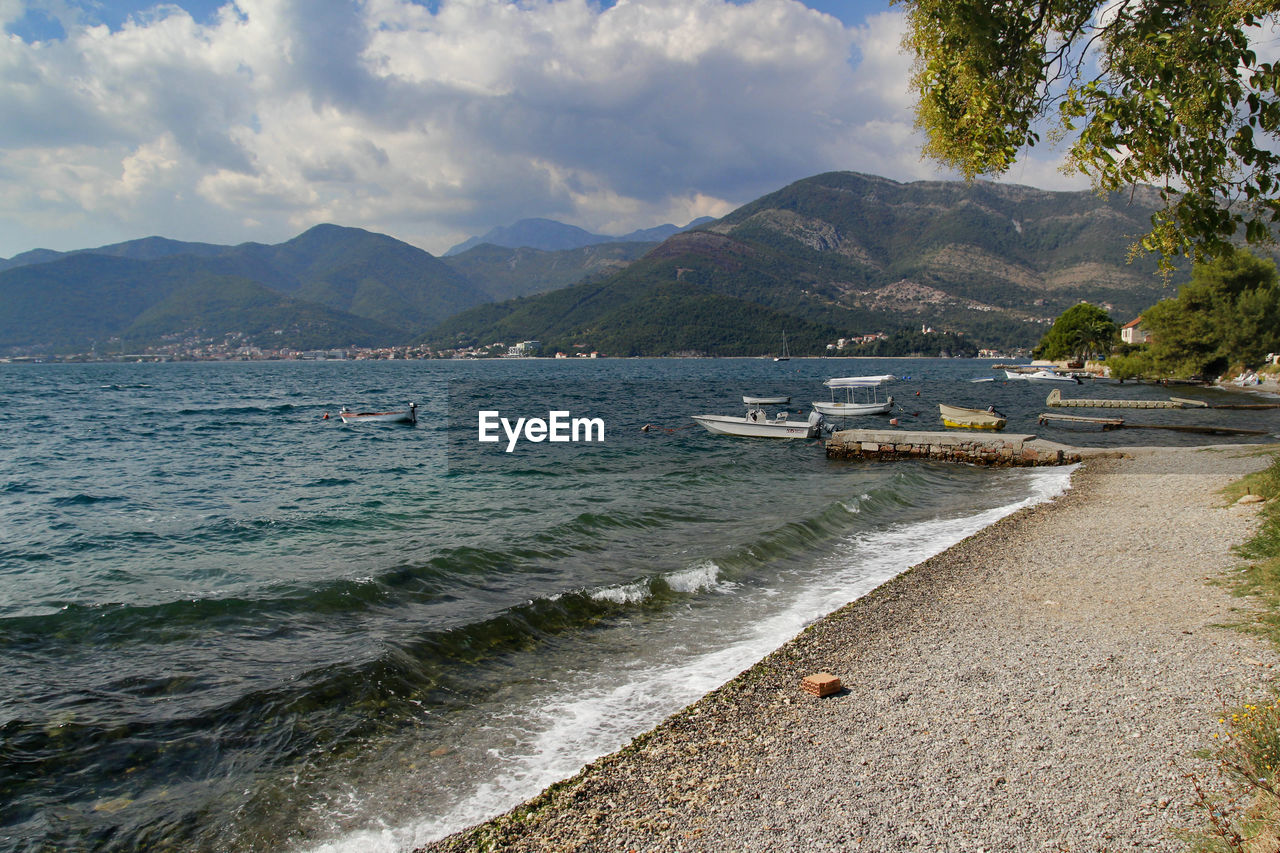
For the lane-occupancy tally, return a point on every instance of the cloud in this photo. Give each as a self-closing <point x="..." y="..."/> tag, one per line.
<point x="435" y="124"/>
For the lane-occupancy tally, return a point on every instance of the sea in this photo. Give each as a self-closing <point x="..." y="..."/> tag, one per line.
<point x="231" y="622"/>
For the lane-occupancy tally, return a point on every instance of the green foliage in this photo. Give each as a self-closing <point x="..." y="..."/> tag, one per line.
<point x="217" y="307"/>
<point x="1134" y="365"/>
<point x="1244" y="813"/>
<point x="656" y="319"/>
<point x="1080" y="331"/>
<point x="1181" y="102"/>
<point x="1229" y="312"/>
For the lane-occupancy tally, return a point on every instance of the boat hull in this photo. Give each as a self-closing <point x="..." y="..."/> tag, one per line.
<point x="962" y="418"/>
<point x="1041" y="376"/>
<point x="741" y="426"/>
<point x="406" y="416"/>
<point x="852" y="410"/>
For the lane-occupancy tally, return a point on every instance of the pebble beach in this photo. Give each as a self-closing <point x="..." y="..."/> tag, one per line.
<point x="1042" y="685"/>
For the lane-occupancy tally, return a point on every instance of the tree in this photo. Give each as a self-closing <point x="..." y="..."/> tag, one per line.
<point x="1081" y="330"/>
<point x="1228" y="313"/>
<point x="1134" y="365"/>
<point x="1165" y="93"/>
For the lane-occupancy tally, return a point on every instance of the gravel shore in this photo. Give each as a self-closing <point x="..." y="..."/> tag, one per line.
<point x="1042" y="685"/>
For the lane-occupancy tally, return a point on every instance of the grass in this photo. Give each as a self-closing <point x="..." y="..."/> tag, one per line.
<point x="1243" y="816"/>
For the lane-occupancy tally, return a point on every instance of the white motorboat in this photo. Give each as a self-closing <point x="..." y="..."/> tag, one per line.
<point x="757" y="424"/>
<point x="403" y="416"/>
<point x="1044" y="375"/>
<point x="862" y="397"/>
<point x="767" y="401"/>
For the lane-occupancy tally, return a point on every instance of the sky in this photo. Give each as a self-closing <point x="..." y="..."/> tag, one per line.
<point x="436" y="120"/>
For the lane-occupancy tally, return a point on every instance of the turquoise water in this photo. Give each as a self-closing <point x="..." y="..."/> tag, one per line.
<point x="228" y="623"/>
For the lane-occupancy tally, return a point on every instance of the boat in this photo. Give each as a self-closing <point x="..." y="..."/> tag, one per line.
<point x="867" y="402"/>
<point x="767" y="401"/>
<point x="403" y="416"/>
<point x="757" y="424"/>
<point x="1044" y="375"/>
<point x="958" y="416"/>
<point x="786" y="353"/>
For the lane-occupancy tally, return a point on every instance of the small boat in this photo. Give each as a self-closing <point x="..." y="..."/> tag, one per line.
<point x="958" y="416"/>
<point x="786" y="354"/>
<point x="757" y="424"/>
<point x="767" y="401"/>
<point x="404" y="416"/>
<point x="1045" y="375"/>
<point x="868" y="402"/>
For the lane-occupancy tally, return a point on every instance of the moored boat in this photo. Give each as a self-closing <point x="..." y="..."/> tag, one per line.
<point x="403" y="416"/>
<point x="786" y="353"/>
<point x="767" y="401"/>
<point x="862" y="397"/>
<point x="959" y="416"/>
<point x="757" y="424"/>
<point x="1045" y="375"/>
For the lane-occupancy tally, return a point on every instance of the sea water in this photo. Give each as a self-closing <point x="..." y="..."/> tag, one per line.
<point x="229" y="622"/>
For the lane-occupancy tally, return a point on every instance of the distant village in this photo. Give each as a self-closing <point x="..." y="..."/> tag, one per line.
<point x="235" y="348"/>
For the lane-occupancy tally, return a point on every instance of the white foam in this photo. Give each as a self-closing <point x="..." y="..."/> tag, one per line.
<point x="705" y="575"/>
<point x="589" y="718"/>
<point x="631" y="593"/>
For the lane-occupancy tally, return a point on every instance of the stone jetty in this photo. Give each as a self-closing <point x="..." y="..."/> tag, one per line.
<point x="976" y="448"/>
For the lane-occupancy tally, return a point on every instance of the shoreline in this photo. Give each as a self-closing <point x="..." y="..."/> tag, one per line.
<point x="1043" y="683"/>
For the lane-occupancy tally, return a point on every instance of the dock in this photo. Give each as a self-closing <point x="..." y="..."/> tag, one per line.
<point x="975" y="448"/>
<point x="1080" y="420"/>
<point x="1055" y="399"/>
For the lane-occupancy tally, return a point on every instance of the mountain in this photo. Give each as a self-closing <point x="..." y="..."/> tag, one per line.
<point x="328" y="287"/>
<point x="504" y="273"/>
<point x="361" y="273"/>
<point x="831" y="256"/>
<point x="551" y="236"/>
<point x="219" y="306"/>
<point x="854" y="253"/>
<point x="147" y="248"/>
<point x="665" y="318"/>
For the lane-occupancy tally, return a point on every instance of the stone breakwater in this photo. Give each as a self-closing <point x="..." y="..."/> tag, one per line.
<point x="974" y="449"/>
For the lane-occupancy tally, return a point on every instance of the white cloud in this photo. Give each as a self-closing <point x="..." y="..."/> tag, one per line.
<point x="431" y="127"/>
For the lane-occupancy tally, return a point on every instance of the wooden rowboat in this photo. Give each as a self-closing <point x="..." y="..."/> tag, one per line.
<point x="958" y="416"/>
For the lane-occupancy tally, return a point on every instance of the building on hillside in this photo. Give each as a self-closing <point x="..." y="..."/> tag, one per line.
<point x="524" y="349"/>
<point x="1133" y="333"/>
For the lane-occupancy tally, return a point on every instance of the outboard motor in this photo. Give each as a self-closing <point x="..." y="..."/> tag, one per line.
<point x="815" y="423"/>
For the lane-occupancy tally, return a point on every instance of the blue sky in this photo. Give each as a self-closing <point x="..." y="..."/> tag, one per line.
<point x="434" y="121"/>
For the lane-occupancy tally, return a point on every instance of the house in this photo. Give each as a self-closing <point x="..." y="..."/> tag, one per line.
<point x="1133" y="333"/>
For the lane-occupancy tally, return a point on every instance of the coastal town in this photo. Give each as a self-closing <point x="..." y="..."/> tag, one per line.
<point x="237" y="347"/>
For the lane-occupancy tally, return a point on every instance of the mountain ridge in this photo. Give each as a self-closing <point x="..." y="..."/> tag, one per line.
<point x="835" y="255"/>
<point x="859" y="253"/>
<point x="550" y="235"/>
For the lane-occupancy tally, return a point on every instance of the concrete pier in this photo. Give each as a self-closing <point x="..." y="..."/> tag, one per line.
<point x="975" y="448"/>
